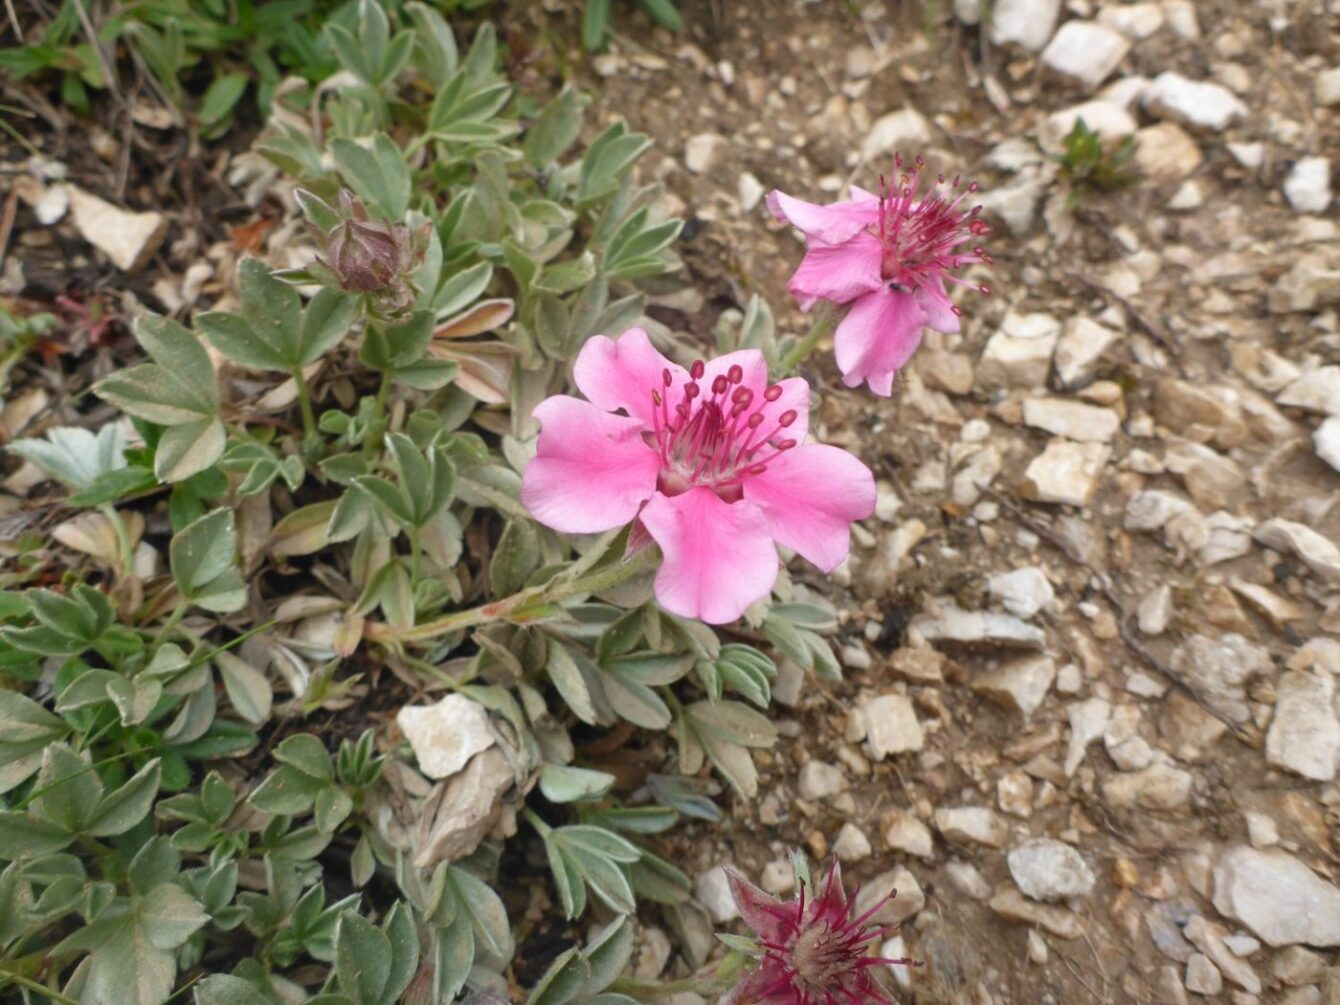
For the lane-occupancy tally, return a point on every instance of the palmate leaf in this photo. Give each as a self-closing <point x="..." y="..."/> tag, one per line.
<point x="76" y="457"/>
<point x="582" y="856"/>
<point x="203" y="555"/>
<point x="178" y="389"/>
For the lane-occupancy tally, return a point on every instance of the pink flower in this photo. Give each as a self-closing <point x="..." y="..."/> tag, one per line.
<point x="889" y="256"/>
<point x="712" y="461"/>
<point x="812" y="953"/>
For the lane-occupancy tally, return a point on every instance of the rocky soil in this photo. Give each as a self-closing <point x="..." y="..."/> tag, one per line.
<point x="1089" y="727"/>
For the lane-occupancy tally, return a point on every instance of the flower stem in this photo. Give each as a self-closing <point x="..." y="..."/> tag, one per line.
<point x="825" y="320"/>
<point x="377" y="424"/>
<point x="561" y="587"/>
<point x="173" y="620"/>
<point x="305" y="402"/>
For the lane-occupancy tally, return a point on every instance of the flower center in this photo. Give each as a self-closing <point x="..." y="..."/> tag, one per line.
<point x="818" y="959"/>
<point x="715" y="440"/>
<point x="923" y="237"/>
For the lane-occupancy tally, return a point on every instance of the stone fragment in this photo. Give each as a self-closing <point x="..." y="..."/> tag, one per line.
<point x="1050" y="870"/>
<point x="1066" y="472"/>
<point x="968" y="880"/>
<point x="1020" y="684"/>
<point x="1088" y="719"/>
<point x="907" y="897"/>
<point x="1086" y="52"/>
<point x="921" y="664"/>
<point x="1202" y="977"/>
<point x="1167" y="937"/>
<point x="1014" y="794"/>
<point x="749" y="192"/>
<point x="1109" y="120"/>
<point x="903" y="130"/>
<point x="1026" y="23"/>
<point x="1326" y="86"/>
<point x="1072" y="419"/>
<point x="1022" y="592"/>
<point x="972" y="825"/>
<point x="907" y="834"/>
<point x="1304" y="735"/>
<point x="1202" y="104"/>
<point x="1165" y="153"/>
<point x="461" y="810"/>
<point x="1020" y="353"/>
<point x="711" y="888"/>
<point x="702" y="151"/>
<point x="447" y="734"/>
<point x="1009" y="903"/>
<point x="128" y="239"/>
<point x="1312" y="282"/>
<point x="851" y="844"/>
<point x="1326" y="440"/>
<point x="1317" y="552"/>
<point x="1308" y="185"/>
<point x="1213" y="480"/>
<point x="1157" y="787"/>
<point x="951" y="624"/>
<point x="1316" y="391"/>
<point x="1202" y="414"/>
<point x="1155" y="610"/>
<point x="1296" y="966"/>
<point x="1217" y="670"/>
<point x="1080" y="349"/>
<point x="1277" y="897"/>
<point x="819" y="780"/>
<point x="1209" y="938"/>
<point x="891" y="726"/>
<point x="1134" y="20"/>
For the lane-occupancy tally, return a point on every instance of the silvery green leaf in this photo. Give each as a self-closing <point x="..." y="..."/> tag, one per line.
<point x="178" y="387"/>
<point x="248" y="689"/>
<point x="202" y="556"/>
<point x="555" y="130"/>
<point x="76" y="457"/>
<point x="563" y="981"/>
<point x="188" y="449"/>
<point x="435" y="48"/>
<point x="565" y="784"/>
<point x="134" y="698"/>
<point x="571" y="684"/>
<point x="119" y="810"/>
<point x="378" y="175"/>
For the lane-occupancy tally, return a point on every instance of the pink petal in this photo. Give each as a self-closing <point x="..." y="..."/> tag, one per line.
<point x="718" y="557"/>
<point x="838" y="272"/>
<point x="810" y="495"/>
<point x="878" y="335"/>
<point x="831" y="224"/>
<point x="939" y="308"/>
<point x="623" y="374"/>
<point x="592" y="471"/>
<point x="772" y="920"/>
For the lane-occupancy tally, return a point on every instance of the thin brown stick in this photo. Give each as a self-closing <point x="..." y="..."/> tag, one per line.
<point x="7" y="223"/>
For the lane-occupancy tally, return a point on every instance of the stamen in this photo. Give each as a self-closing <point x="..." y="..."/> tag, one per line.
<point x="773" y="392"/>
<point x="735" y="374"/>
<point x="698" y="369"/>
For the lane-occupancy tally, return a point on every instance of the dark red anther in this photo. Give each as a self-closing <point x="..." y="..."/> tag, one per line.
<point x="973" y="186"/>
<point x="956" y="310"/>
<point x="979" y="227"/>
<point x="757" y="469"/>
<point x="755" y="420"/>
<point x="984" y="289"/>
<point x="719" y="384"/>
<point x="698" y="369"/>
<point x="690" y="390"/>
<point x="742" y="396"/>
<point x="735" y="374"/>
<point x="773" y="392"/>
<point x="786" y="418"/>
<point x="666" y="379"/>
<point x="786" y="444"/>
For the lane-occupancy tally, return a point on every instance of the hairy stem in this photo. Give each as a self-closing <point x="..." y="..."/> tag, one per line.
<point x="305" y="403"/>
<point x="825" y="320"/>
<point x="561" y="587"/>
<point x="377" y="425"/>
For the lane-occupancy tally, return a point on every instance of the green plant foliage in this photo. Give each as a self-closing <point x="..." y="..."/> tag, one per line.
<point x="311" y="492"/>
<point x="1086" y="162"/>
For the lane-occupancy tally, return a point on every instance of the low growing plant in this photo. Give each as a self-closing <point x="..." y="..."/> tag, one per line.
<point x="312" y="499"/>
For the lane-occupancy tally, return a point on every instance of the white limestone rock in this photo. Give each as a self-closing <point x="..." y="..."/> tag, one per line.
<point x="1304" y="735"/>
<point x="1026" y="23"/>
<point x="1050" y="870"/>
<point x="446" y="735"/>
<point x="128" y="239"/>
<point x="1066" y="472"/>
<point x="1196" y="103"/>
<point x="1080" y="349"/>
<point x="1277" y="897"/>
<point x="1308" y="185"/>
<point x="1074" y="420"/>
<point x="1086" y="52"/>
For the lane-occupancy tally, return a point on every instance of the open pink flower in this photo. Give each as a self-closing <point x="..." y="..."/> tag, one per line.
<point x="712" y="460"/>
<point x="889" y="256"/>
<point x="812" y="952"/>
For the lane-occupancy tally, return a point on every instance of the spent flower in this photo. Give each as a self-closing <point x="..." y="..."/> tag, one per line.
<point x="711" y="461"/>
<point x="811" y="950"/>
<point x="367" y="256"/>
<point x="889" y="256"/>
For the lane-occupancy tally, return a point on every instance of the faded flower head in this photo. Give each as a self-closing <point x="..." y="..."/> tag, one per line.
<point x="712" y="462"/>
<point x="811" y="951"/>
<point x="373" y="257"/>
<point x="889" y="256"/>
